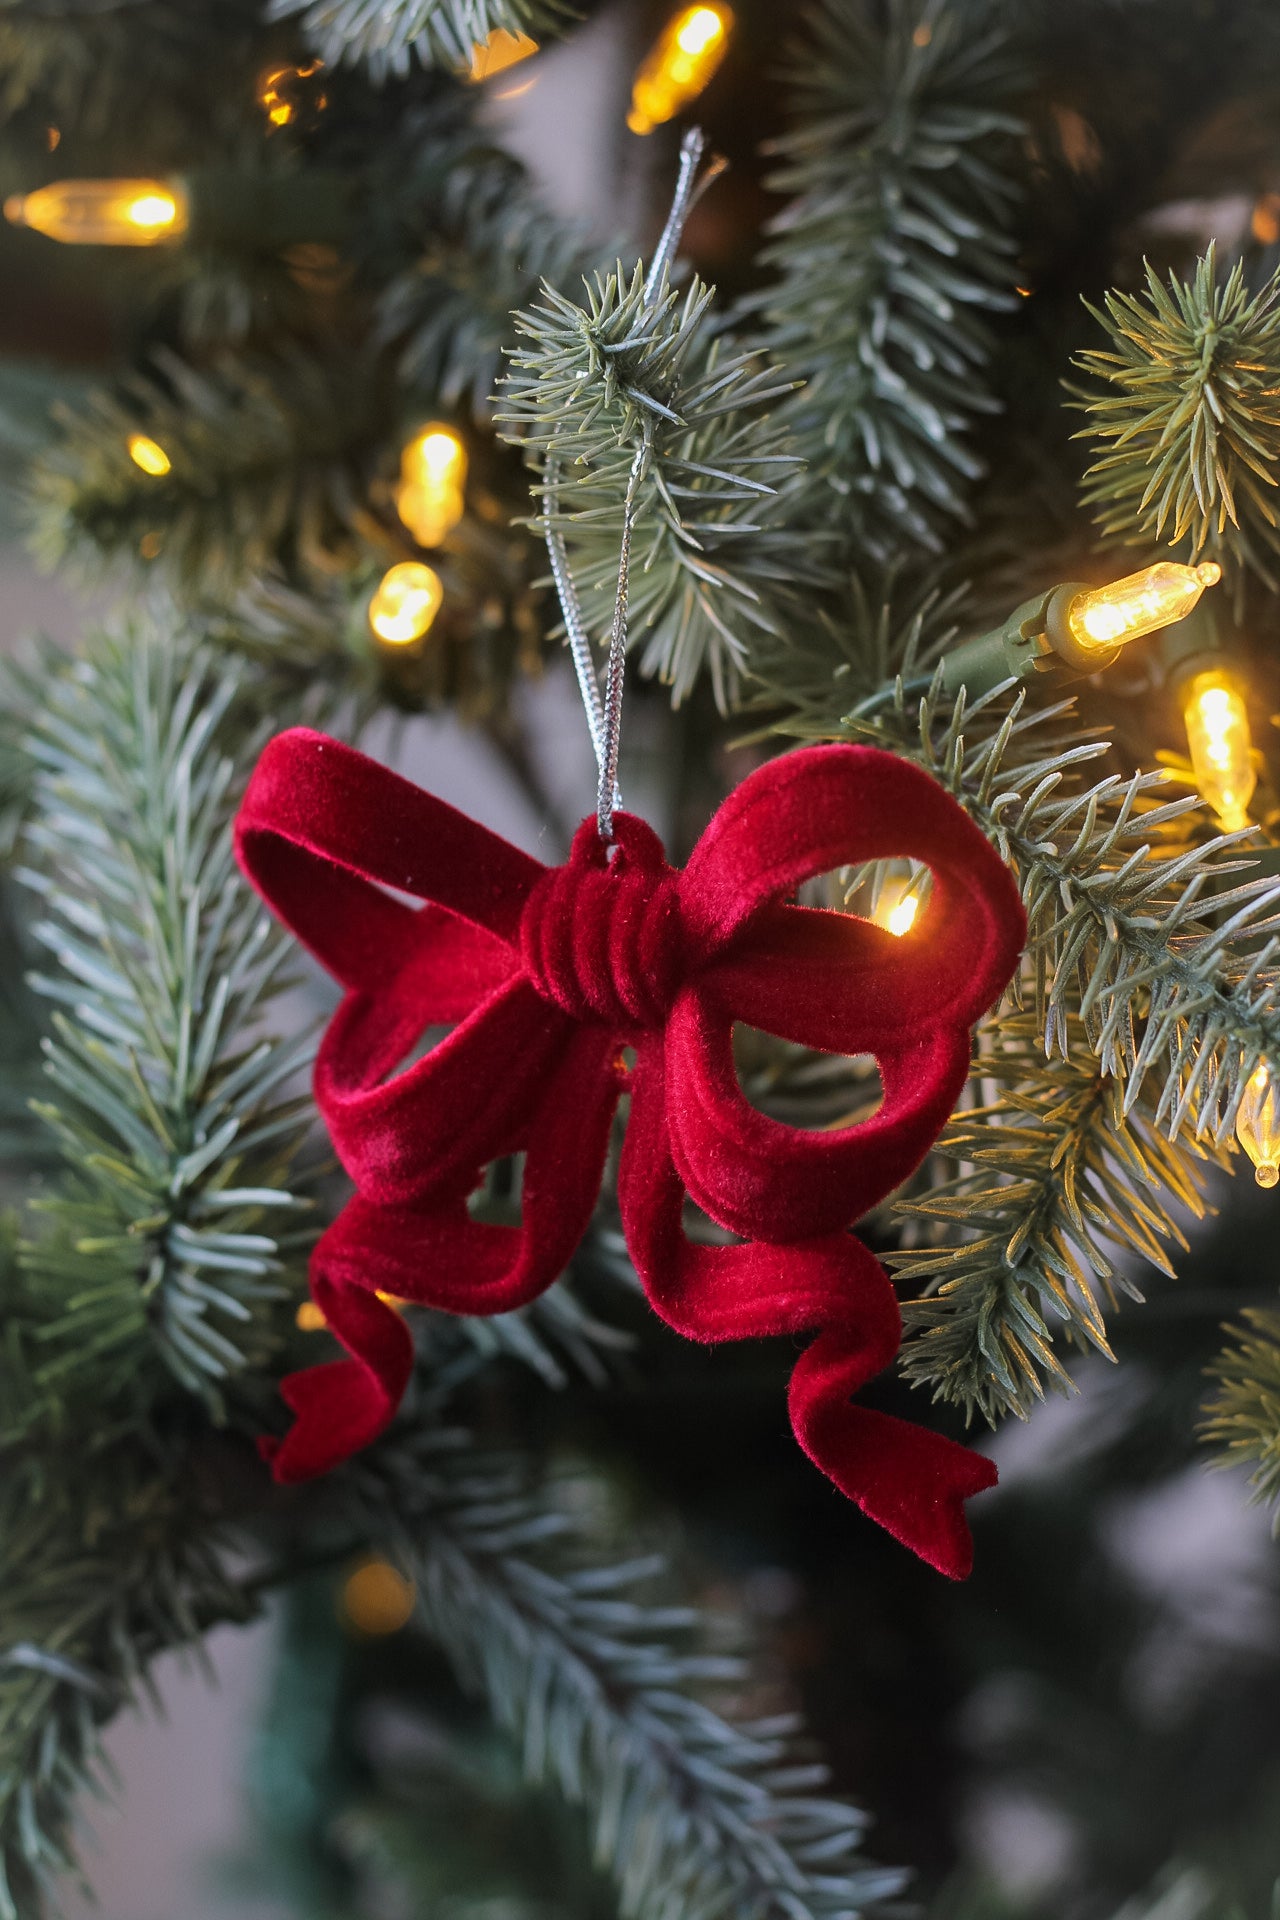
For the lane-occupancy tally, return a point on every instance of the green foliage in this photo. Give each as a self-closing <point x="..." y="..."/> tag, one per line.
<point x="1057" y="1182"/>
<point x="388" y="34"/>
<point x="79" y="61"/>
<point x="692" y="1814"/>
<point x="177" y="1115"/>
<point x="1150" y="981"/>
<point x="894" y="246"/>
<point x="627" y="376"/>
<point x="1186" y="432"/>
<point x="1244" y="1414"/>
<point x="1168" y="956"/>
<point x="269" y="463"/>
<point x="108" y="1555"/>
<point x="488" y="246"/>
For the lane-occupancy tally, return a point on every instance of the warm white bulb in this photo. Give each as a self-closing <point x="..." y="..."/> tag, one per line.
<point x="1106" y="617"/>
<point x="699" y="30"/>
<point x="148" y="454"/>
<point x="1258" y="1127"/>
<point x="1220" y="744"/>
<point x="679" y="65"/>
<point x="901" y="917"/>
<point x="406" y="602"/>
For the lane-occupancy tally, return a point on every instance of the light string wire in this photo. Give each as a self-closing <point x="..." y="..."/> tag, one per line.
<point x="604" y="716"/>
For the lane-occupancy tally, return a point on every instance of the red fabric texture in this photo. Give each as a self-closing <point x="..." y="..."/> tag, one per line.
<point x="544" y="975"/>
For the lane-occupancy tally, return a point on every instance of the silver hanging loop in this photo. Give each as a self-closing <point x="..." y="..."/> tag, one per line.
<point x="604" y="715"/>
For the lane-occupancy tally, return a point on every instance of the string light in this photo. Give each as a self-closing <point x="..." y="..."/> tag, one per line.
<point x="1106" y="617"/>
<point x="1258" y="1127"/>
<point x="104" y="213"/>
<point x="1084" y="626"/>
<point x="500" y="51"/>
<point x="1220" y="744"/>
<point x="377" y="1599"/>
<point x="679" y="65"/>
<point x="897" y="905"/>
<point x="148" y="454"/>
<point x="310" y="1318"/>
<point x="405" y="602"/>
<point x="433" y="472"/>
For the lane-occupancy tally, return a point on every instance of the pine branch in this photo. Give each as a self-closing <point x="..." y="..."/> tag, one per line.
<point x="694" y="1815"/>
<point x="596" y="386"/>
<point x="893" y="248"/>
<point x="1150" y="980"/>
<point x="388" y="34"/>
<point x="80" y="62"/>
<point x="1186" y="432"/>
<point x="1169" y="956"/>
<point x="108" y="1558"/>
<point x="268" y="465"/>
<point x="489" y="247"/>
<point x="1244" y="1414"/>
<point x="174" y="1111"/>
<point x="1058" y="1188"/>
<point x="870" y="629"/>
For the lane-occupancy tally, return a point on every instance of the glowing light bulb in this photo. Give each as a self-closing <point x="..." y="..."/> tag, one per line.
<point x="377" y="1599"/>
<point x="310" y="1318"/>
<point x="405" y="602"/>
<point x="433" y="473"/>
<point x="103" y="213"/>
<point x="897" y="905"/>
<point x="500" y="51"/>
<point x="1220" y="744"/>
<point x="902" y="918"/>
<point x="435" y="454"/>
<point x="1111" y="616"/>
<point x="148" y="454"/>
<point x="679" y="65"/>
<point x="1258" y="1127"/>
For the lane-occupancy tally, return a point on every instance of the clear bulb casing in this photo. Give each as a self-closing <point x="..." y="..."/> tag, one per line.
<point x="405" y="603"/>
<point x="1258" y="1126"/>
<point x="680" y="64"/>
<point x="103" y="213"/>
<point x="1220" y="745"/>
<point x="1108" y="617"/>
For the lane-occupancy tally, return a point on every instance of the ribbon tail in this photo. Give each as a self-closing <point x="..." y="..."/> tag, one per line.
<point x="440" y="1257"/>
<point x="341" y="1406"/>
<point x="910" y="1481"/>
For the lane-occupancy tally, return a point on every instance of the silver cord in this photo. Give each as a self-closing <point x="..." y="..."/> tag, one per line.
<point x="604" y="717"/>
<point x="575" y="626"/>
<point x="692" y="148"/>
<point x="607" y="792"/>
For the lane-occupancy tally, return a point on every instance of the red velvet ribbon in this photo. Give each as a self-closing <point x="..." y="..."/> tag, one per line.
<point x="544" y="976"/>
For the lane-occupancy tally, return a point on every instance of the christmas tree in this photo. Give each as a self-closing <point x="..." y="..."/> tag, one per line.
<point x="908" y="406"/>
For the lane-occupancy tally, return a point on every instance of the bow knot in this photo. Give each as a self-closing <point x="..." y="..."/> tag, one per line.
<point x="600" y="937"/>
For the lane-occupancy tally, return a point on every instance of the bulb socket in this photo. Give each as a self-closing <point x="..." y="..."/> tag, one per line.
<point x="1061" y="639"/>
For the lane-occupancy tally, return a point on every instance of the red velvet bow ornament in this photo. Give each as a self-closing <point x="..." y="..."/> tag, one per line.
<point x="545" y="974"/>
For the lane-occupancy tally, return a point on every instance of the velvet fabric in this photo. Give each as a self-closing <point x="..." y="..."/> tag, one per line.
<point x="544" y="976"/>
